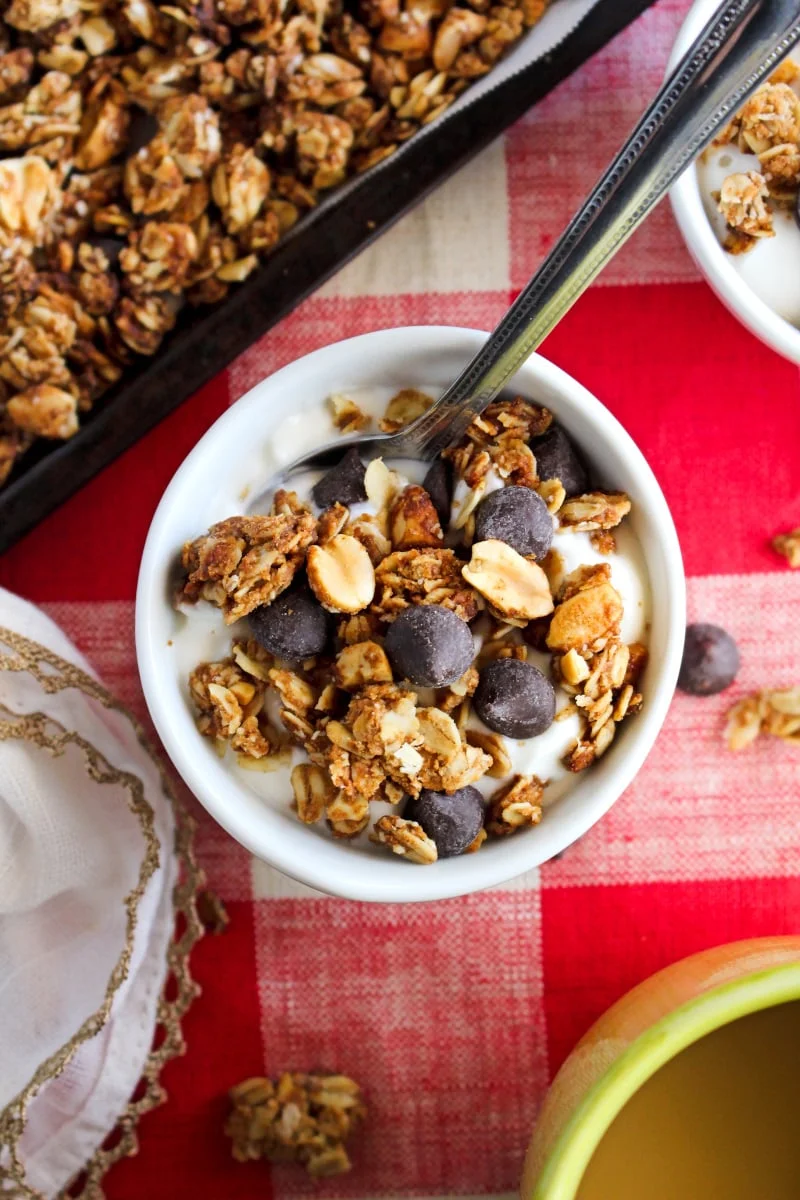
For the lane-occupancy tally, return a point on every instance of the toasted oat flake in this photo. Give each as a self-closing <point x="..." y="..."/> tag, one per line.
<point x="347" y="416"/>
<point x="515" y="805"/>
<point x="404" y="408"/>
<point x="369" y="529"/>
<point x="380" y="484"/>
<point x="593" y="511"/>
<point x="362" y="663"/>
<point x="788" y="544"/>
<point x="553" y="494"/>
<point x="466" y="506"/>
<point x="312" y="789"/>
<point x="406" y="838"/>
<point x="439" y="733"/>
<point x="495" y="746"/>
<point x="413" y="521"/>
<point x="347" y="814"/>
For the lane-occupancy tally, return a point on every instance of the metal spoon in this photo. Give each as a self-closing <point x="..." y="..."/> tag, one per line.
<point x="737" y="51"/>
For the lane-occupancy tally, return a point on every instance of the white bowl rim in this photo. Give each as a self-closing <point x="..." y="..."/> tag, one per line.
<point x="703" y="244"/>
<point x="361" y="877"/>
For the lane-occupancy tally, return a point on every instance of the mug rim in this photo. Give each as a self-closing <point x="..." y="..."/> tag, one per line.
<point x="574" y="1147"/>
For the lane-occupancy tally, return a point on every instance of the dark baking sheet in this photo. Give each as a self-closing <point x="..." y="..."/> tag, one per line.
<point x="206" y="341"/>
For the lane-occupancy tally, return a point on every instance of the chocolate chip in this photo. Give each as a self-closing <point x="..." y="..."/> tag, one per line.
<point x="514" y="698"/>
<point x="557" y="458"/>
<point x="518" y="517"/>
<point x="344" y="482"/>
<point x="294" y="626"/>
<point x="429" y="645"/>
<point x="438" y="483"/>
<point x="710" y="660"/>
<point x="452" y="822"/>
<point x="141" y="131"/>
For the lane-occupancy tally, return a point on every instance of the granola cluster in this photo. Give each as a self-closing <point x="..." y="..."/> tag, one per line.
<point x="592" y="663"/>
<point x="244" y="562"/>
<point x="774" y="712"/>
<point x="768" y="127"/>
<point x="358" y="733"/>
<point x="788" y="545"/>
<point x="151" y="154"/>
<point x="296" y="1118"/>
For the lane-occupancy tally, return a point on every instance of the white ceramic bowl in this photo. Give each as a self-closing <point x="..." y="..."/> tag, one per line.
<point x="209" y="485"/>
<point x="716" y="264"/>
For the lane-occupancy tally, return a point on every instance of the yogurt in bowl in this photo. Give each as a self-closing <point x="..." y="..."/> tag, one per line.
<point x="758" y="281"/>
<point x="397" y="709"/>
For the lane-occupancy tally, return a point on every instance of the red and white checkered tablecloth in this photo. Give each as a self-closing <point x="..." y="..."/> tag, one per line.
<point x="455" y="1015"/>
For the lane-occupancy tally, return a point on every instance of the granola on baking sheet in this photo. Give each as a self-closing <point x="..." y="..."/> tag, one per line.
<point x="398" y="670"/>
<point x="152" y="154"/>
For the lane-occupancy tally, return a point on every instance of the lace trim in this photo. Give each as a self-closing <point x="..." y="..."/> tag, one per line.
<point x="54" y="675"/>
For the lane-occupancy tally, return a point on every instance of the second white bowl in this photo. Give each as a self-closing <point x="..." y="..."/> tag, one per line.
<point x="719" y="267"/>
<point x="231" y="462"/>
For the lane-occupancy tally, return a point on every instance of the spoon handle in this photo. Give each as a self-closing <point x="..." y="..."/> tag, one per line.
<point x="737" y="50"/>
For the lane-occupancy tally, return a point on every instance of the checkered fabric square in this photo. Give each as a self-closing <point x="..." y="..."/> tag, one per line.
<point x="455" y="1015"/>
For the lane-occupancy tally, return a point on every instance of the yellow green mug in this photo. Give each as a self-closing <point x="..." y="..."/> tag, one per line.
<point x="640" y="1034"/>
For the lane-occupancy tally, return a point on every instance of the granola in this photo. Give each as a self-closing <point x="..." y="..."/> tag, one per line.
<point x="514" y="805"/>
<point x="743" y="204"/>
<point x="774" y="712"/>
<point x="788" y="544"/>
<point x="766" y="133"/>
<point x="245" y="562"/>
<point x="296" y="1118"/>
<point x="407" y="577"/>
<point x="405" y="838"/>
<point x="362" y="731"/>
<point x="184" y="142"/>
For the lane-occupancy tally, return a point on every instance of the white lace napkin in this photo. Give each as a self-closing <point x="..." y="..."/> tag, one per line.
<point x="87" y="871"/>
